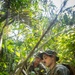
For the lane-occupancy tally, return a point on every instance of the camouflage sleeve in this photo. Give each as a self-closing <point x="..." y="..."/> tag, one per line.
<point x="62" y="71"/>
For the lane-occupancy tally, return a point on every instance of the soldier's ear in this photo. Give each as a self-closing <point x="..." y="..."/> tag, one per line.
<point x="53" y="57"/>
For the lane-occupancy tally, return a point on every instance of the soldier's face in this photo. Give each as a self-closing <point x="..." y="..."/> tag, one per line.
<point x="47" y="60"/>
<point x="37" y="60"/>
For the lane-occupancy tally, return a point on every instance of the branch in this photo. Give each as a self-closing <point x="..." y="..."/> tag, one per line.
<point x="6" y="22"/>
<point x="68" y="8"/>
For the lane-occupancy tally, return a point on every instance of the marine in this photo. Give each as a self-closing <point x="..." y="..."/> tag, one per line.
<point x="50" y="59"/>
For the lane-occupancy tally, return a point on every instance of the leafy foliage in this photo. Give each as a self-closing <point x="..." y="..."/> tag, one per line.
<point x="27" y="20"/>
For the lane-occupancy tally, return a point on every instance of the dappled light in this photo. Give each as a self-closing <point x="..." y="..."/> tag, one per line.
<point x="31" y="26"/>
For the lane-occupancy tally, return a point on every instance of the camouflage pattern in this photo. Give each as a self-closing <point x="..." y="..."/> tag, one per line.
<point x="39" y="70"/>
<point x="59" y="70"/>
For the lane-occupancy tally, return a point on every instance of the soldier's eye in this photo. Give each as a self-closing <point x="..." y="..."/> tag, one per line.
<point x="45" y="57"/>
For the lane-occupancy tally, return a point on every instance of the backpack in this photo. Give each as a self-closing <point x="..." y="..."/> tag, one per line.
<point x="71" y="68"/>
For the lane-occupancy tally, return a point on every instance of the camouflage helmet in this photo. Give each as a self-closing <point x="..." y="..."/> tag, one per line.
<point x="50" y="53"/>
<point x="39" y="55"/>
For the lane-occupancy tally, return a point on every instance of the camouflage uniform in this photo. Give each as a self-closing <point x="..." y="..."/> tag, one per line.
<point x="39" y="70"/>
<point x="59" y="70"/>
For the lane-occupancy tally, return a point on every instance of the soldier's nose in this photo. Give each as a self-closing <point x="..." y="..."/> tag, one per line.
<point x="43" y="61"/>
